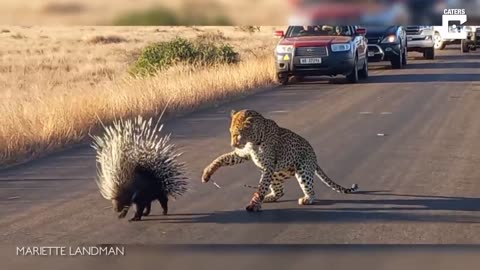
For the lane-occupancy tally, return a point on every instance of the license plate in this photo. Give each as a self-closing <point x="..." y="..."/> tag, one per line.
<point x="371" y="54"/>
<point x="310" y="60"/>
<point x="409" y="38"/>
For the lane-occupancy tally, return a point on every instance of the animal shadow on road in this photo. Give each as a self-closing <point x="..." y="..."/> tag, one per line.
<point x="400" y="208"/>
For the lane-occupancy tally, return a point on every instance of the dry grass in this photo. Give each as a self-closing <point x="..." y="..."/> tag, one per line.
<point x="105" y="39"/>
<point x="54" y="86"/>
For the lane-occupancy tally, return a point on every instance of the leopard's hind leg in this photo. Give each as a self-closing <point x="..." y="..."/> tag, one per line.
<point x="305" y="177"/>
<point x="277" y="186"/>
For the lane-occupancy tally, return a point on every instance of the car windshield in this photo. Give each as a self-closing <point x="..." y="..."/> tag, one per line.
<point x="319" y="30"/>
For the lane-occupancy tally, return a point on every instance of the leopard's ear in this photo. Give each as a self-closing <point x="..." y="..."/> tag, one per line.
<point x="232" y="113"/>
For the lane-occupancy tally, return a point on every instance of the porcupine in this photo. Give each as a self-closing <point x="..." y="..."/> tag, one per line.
<point x="136" y="165"/>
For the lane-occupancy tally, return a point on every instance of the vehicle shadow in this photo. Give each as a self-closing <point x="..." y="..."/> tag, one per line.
<point x="416" y="78"/>
<point x="436" y="65"/>
<point x="464" y="56"/>
<point x="405" y="208"/>
<point x="319" y="80"/>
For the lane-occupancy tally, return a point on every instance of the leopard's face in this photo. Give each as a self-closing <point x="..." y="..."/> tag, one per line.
<point x="243" y="128"/>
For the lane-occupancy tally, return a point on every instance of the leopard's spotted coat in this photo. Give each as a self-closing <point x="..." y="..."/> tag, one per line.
<point x="278" y="152"/>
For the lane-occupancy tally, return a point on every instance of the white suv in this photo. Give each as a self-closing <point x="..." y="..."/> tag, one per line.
<point x="420" y="39"/>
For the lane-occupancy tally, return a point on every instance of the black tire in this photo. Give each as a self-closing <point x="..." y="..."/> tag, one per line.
<point x="438" y="43"/>
<point x="429" y="53"/>
<point x="464" y="46"/>
<point x="397" y="61"/>
<point x="282" y="78"/>
<point x="363" y="73"/>
<point x="404" y="58"/>
<point x="353" y="76"/>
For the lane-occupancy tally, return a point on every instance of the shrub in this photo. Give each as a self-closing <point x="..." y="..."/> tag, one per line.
<point x="210" y="54"/>
<point x="154" y="16"/>
<point x="200" y="52"/>
<point x="164" y="16"/>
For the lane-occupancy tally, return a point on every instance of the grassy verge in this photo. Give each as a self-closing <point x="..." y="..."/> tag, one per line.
<point x="37" y="124"/>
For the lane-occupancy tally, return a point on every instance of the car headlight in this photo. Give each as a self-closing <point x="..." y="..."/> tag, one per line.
<point x="341" y="47"/>
<point x="284" y="49"/>
<point x="390" y="39"/>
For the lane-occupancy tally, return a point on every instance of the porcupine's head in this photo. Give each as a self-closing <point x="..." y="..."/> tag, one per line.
<point x="246" y="127"/>
<point x="122" y="201"/>
<point x="114" y="165"/>
<point x="136" y="163"/>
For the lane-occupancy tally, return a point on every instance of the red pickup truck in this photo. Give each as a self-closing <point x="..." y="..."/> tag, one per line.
<point x="322" y="50"/>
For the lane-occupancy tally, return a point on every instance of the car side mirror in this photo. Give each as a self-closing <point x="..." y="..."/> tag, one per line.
<point x="361" y="31"/>
<point x="279" y="33"/>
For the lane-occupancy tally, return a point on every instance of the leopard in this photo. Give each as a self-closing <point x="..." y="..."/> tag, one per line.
<point x="278" y="152"/>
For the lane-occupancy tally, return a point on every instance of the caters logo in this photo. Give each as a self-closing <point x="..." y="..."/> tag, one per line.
<point x="453" y="15"/>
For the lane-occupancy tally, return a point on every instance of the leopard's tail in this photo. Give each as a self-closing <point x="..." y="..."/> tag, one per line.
<point x="330" y="183"/>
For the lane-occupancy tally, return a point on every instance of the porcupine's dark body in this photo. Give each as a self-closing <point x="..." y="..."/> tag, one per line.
<point x="148" y="189"/>
<point x="137" y="166"/>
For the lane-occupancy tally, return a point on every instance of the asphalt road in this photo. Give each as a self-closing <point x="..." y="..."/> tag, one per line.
<point x="419" y="184"/>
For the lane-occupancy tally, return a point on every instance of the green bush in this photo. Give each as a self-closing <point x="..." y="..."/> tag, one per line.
<point x="154" y="16"/>
<point x="200" y="52"/>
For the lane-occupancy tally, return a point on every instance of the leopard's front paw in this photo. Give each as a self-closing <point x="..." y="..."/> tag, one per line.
<point x="305" y="201"/>
<point x="255" y="203"/>
<point x="253" y="207"/>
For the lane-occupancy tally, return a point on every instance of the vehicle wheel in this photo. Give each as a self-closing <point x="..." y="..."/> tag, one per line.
<point x="464" y="46"/>
<point x="397" y="61"/>
<point x="438" y="43"/>
<point x="353" y="76"/>
<point x="363" y="73"/>
<point x="282" y="78"/>
<point x="404" y="58"/>
<point x="429" y="53"/>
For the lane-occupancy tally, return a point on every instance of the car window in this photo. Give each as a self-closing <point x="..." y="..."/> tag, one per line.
<point x="319" y="30"/>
